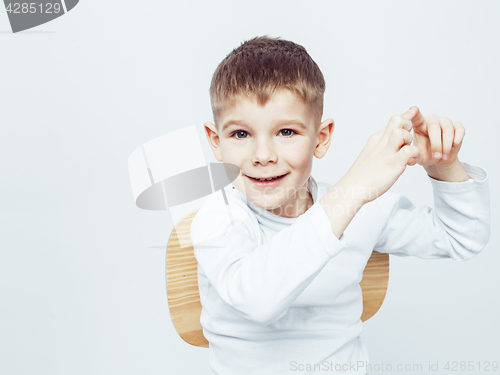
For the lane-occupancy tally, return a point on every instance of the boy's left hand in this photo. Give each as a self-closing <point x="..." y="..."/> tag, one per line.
<point x="438" y="138"/>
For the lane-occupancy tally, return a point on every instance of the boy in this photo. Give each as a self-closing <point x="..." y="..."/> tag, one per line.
<point x="279" y="262"/>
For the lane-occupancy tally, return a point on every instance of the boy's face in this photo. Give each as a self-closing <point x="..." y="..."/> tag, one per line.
<point x="269" y="141"/>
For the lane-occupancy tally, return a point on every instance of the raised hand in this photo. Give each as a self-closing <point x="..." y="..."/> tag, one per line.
<point x="383" y="159"/>
<point x="438" y="139"/>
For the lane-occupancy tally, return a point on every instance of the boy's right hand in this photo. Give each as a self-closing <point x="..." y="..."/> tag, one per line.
<point x="383" y="159"/>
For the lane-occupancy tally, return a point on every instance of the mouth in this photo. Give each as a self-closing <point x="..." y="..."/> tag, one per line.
<point x="268" y="181"/>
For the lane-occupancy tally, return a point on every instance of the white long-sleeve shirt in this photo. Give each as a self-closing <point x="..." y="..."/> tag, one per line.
<point x="282" y="295"/>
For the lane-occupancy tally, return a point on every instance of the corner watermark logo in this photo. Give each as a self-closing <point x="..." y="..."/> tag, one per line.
<point x="25" y="15"/>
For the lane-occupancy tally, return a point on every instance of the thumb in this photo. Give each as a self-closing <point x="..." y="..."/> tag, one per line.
<point x="409" y="154"/>
<point x="413" y="161"/>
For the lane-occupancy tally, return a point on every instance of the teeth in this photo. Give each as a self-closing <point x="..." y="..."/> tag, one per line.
<point x="269" y="179"/>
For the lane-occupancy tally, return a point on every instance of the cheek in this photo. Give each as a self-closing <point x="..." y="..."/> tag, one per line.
<point x="228" y="151"/>
<point x="299" y="155"/>
<point x="231" y="153"/>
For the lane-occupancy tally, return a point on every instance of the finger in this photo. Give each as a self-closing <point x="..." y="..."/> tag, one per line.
<point x="448" y="135"/>
<point x="459" y="134"/>
<point x="397" y="121"/>
<point x="413" y="160"/>
<point x="409" y="114"/>
<point x="434" y="134"/>
<point x="408" y="154"/>
<point x="417" y="119"/>
<point x="399" y="137"/>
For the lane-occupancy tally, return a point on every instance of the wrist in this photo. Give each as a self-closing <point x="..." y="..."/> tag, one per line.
<point x="453" y="172"/>
<point x="351" y="192"/>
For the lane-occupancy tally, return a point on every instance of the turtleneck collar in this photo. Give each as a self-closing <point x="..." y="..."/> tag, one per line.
<point x="312" y="188"/>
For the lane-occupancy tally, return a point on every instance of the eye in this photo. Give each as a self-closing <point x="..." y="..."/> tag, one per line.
<point x="288" y="132"/>
<point x="242" y="134"/>
<point x="239" y="132"/>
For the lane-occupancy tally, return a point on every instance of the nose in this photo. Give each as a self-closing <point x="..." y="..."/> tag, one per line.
<point x="264" y="152"/>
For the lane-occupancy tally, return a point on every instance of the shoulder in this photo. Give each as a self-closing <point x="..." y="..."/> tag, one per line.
<point x="216" y="218"/>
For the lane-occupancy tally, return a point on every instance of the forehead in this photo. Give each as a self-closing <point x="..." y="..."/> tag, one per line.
<point x="283" y="107"/>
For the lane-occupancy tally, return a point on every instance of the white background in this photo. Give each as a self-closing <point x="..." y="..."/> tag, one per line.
<point x="82" y="292"/>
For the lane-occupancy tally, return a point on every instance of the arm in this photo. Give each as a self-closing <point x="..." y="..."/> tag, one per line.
<point x="458" y="227"/>
<point x="260" y="282"/>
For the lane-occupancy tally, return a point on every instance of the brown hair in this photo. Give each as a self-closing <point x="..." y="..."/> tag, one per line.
<point x="263" y="65"/>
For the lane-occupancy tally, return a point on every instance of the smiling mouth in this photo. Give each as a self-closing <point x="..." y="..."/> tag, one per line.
<point x="267" y="179"/>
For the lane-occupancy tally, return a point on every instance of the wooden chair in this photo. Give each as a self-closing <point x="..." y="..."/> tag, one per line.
<point x="184" y="298"/>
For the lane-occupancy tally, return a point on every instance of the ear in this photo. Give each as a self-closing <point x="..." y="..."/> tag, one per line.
<point x="324" y="137"/>
<point x="213" y="139"/>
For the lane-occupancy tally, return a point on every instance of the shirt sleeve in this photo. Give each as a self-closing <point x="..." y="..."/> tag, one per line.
<point x="260" y="282"/>
<point x="458" y="226"/>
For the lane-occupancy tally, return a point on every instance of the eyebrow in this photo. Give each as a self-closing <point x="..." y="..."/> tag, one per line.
<point x="279" y="123"/>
